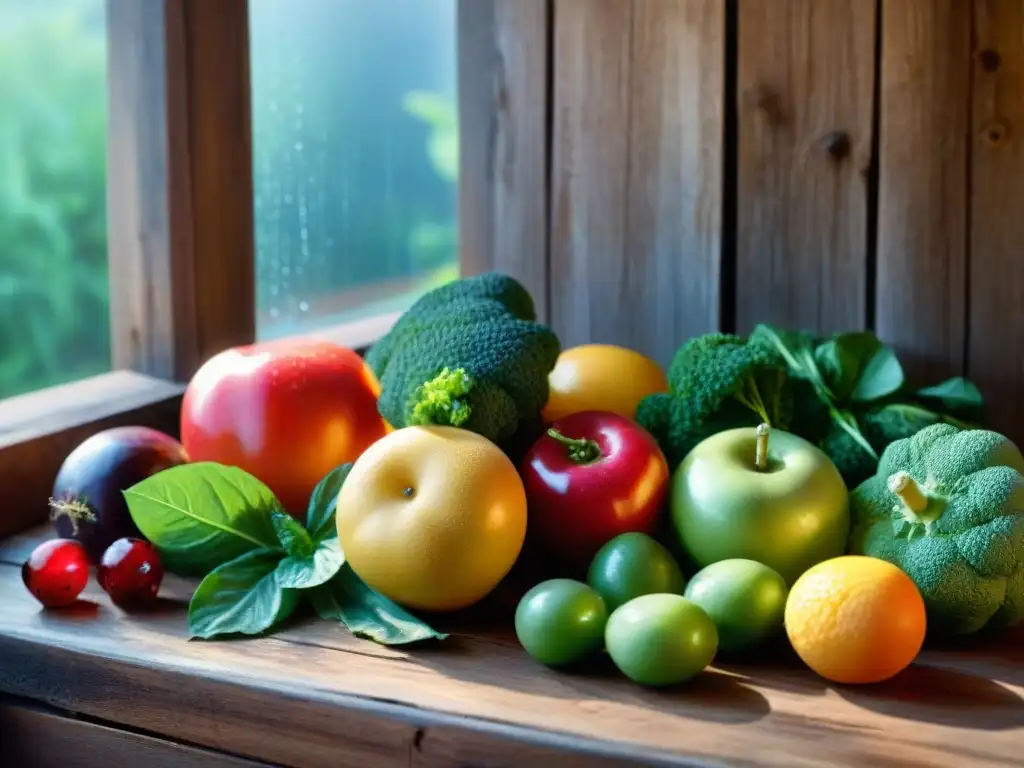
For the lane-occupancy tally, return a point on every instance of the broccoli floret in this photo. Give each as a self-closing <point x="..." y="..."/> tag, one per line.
<point x="468" y="354"/>
<point x="880" y="427"/>
<point x="947" y="506"/>
<point x="717" y="381"/>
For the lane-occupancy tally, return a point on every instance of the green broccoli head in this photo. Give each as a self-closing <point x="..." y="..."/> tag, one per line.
<point x="947" y="506"/>
<point x="468" y="354"/>
<point x="717" y="381"/>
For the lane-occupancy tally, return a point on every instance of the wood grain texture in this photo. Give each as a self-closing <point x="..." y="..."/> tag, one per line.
<point x="313" y="695"/>
<point x="636" y="171"/>
<point x="31" y="737"/>
<point x="180" y="183"/>
<point x="923" y="176"/>
<point x="39" y="430"/>
<point x="996" y="317"/>
<point x="503" y="140"/>
<point x="805" y="99"/>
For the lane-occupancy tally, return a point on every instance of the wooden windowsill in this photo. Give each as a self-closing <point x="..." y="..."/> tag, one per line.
<point x="50" y="410"/>
<point x="359" y="335"/>
<point x="313" y="695"/>
<point x="38" y="430"/>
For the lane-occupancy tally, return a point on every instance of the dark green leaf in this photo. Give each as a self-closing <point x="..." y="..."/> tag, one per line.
<point x="324" y="501"/>
<point x="955" y="394"/>
<point x="794" y="346"/>
<point x="243" y="596"/>
<point x="881" y="377"/>
<point x="313" y="570"/>
<point x="797" y="349"/>
<point x="366" y="613"/>
<point x="293" y="537"/>
<point x="858" y="366"/>
<point x="202" y="515"/>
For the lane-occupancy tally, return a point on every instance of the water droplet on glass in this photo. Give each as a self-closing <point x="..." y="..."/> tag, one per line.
<point x="303" y="306"/>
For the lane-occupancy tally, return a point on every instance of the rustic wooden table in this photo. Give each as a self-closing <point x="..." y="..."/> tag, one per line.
<point x="118" y="690"/>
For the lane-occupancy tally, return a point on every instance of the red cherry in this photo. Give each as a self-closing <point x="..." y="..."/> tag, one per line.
<point x="56" y="572"/>
<point x="130" y="572"/>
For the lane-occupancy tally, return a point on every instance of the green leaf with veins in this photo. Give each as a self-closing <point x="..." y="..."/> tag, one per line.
<point x="202" y="515"/>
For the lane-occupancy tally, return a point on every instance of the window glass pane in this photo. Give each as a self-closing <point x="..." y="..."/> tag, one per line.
<point x="355" y="157"/>
<point x="54" y="318"/>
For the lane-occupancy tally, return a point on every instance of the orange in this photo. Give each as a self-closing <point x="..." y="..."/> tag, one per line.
<point x="432" y="517"/>
<point x="855" y="619"/>
<point x="601" y="377"/>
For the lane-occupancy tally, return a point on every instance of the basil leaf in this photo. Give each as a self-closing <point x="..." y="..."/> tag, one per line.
<point x="242" y="596"/>
<point x="202" y="515"/>
<point x="313" y="570"/>
<point x="293" y="537"/>
<point x="323" y="503"/>
<point x="367" y="613"/>
<point x="956" y="394"/>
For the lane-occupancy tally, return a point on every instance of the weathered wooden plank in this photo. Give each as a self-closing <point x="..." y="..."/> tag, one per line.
<point x="923" y="173"/>
<point x="33" y="737"/>
<point x="805" y="87"/>
<point x="636" y="171"/>
<point x="996" y="315"/>
<point x="180" y="183"/>
<point x="313" y="695"/>
<point x="503" y="140"/>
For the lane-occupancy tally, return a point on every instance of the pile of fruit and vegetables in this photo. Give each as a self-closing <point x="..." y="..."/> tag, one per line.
<point x="773" y="487"/>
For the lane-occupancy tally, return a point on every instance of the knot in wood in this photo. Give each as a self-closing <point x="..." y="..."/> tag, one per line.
<point x="990" y="59"/>
<point x="768" y="102"/>
<point x="837" y="144"/>
<point x="995" y="132"/>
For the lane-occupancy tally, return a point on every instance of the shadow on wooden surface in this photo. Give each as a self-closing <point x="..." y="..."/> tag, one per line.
<point x="943" y="697"/>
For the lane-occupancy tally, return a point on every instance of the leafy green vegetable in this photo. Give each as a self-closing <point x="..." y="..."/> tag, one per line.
<point x="293" y="537"/>
<point x="323" y="503"/>
<point x="314" y="569"/>
<point x="202" y="515"/>
<point x="957" y="395"/>
<point x="257" y="561"/>
<point x="858" y="400"/>
<point x="367" y="613"/>
<point x="243" y="596"/>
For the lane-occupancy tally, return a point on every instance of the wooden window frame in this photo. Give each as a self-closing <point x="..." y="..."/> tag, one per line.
<point x="181" y="234"/>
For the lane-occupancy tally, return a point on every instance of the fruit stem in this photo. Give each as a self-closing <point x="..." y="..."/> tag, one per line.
<point x="761" y="451"/>
<point x="581" y="450"/>
<point x="909" y="492"/>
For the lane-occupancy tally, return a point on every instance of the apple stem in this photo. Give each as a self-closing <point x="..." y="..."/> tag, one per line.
<point x="908" y="491"/>
<point x="761" y="451"/>
<point x="581" y="450"/>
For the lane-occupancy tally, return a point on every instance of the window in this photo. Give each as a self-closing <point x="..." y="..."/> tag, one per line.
<point x="355" y="157"/>
<point x="180" y="176"/>
<point x="54" y="316"/>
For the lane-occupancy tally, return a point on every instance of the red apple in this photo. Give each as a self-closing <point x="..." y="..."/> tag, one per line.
<point x="592" y="476"/>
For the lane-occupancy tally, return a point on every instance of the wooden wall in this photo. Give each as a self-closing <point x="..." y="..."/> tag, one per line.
<point x="654" y="169"/>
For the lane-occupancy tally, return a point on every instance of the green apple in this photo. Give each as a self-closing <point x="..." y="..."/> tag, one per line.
<point x="763" y="495"/>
